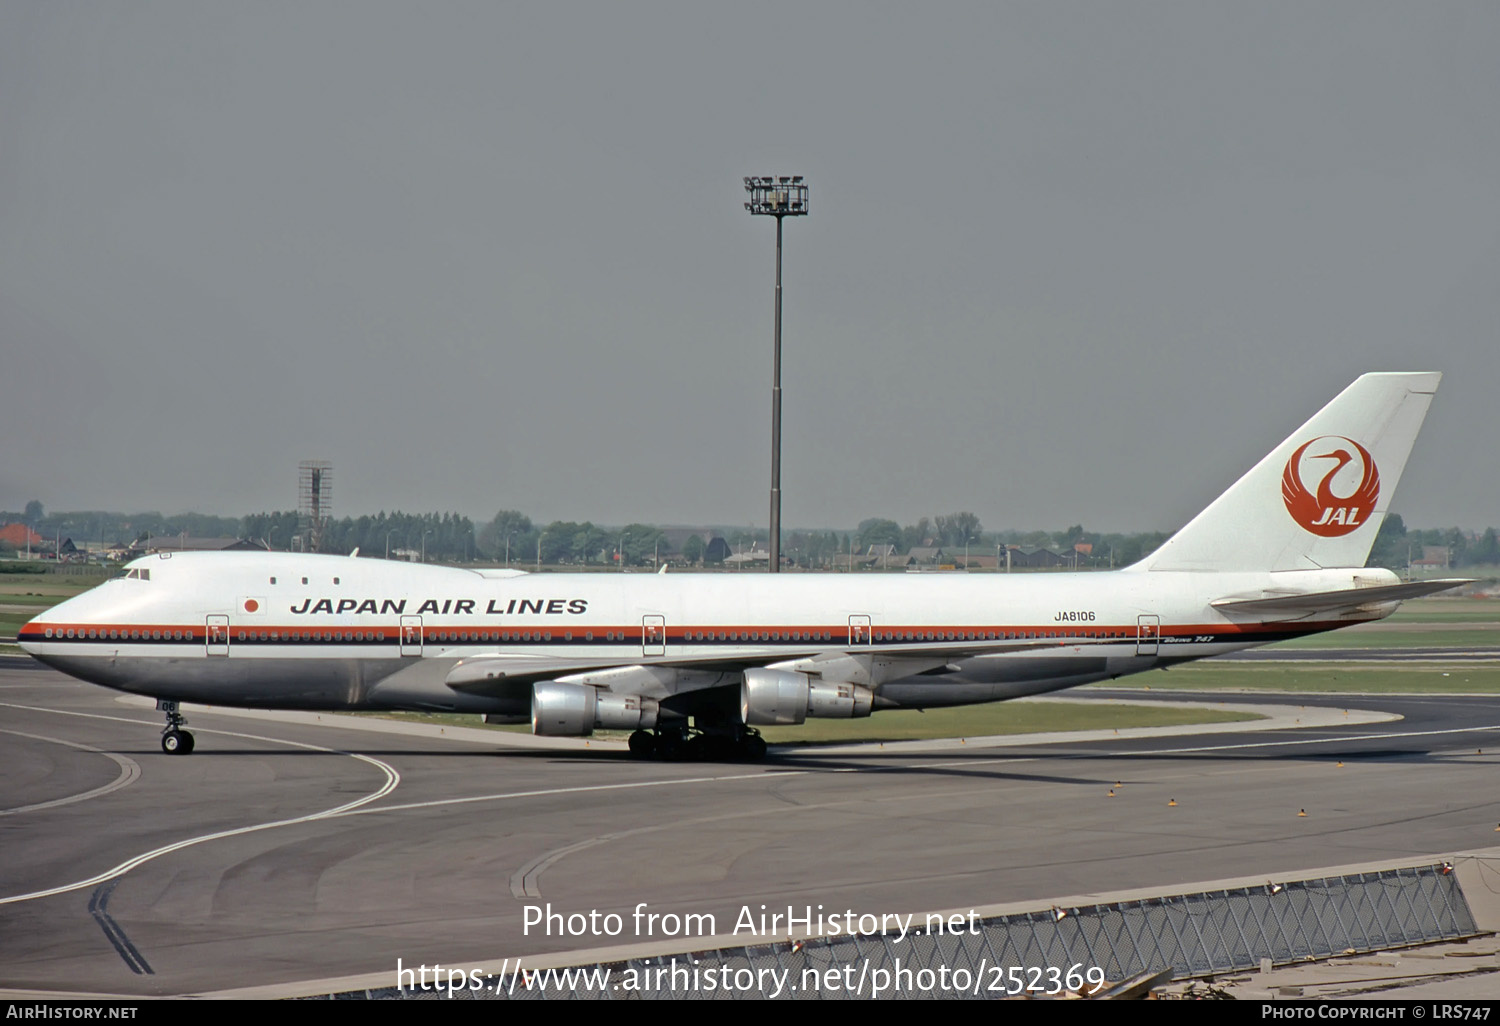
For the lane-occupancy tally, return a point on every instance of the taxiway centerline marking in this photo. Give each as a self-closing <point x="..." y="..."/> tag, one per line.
<point x="392" y="781"/>
<point x="130" y="770"/>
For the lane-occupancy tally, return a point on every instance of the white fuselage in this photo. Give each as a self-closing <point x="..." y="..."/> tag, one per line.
<point x="283" y="630"/>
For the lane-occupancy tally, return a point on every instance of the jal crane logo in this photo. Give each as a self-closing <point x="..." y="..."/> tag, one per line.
<point x="1344" y="485"/>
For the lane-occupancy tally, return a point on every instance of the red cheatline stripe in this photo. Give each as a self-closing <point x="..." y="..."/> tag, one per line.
<point x="716" y="634"/>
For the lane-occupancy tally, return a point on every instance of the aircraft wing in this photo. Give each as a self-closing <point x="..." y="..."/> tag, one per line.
<point x="503" y="675"/>
<point x="1331" y="601"/>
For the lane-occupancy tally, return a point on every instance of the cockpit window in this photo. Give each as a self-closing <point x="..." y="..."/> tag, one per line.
<point x="138" y="574"/>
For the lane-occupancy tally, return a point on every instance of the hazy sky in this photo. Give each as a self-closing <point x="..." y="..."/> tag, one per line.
<point x="1066" y="262"/>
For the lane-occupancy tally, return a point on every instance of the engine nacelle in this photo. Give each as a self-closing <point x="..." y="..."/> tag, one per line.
<point x="781" y="698"/>
<point x="840" y="700"/>
<point x="562" y="710"/>
<point x="773" y="698"/>
<point x="624" y="712"/>
<point x="574" y="710"/>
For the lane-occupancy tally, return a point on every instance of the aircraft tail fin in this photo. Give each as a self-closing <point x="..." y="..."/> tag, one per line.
<point x="1317" y="500"/>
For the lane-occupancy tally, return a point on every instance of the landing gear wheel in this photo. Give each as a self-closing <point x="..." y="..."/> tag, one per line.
<point x="642" y="744"/>
<point x="753" y="747"/>
<point x="670" y="743"/>
<point x="176" y="742"/>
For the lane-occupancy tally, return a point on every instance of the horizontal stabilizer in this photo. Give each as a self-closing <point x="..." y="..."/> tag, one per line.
<point x="1344" y="598"/>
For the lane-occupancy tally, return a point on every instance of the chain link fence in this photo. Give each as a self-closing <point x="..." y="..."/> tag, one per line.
<point x="1042" y="952"/>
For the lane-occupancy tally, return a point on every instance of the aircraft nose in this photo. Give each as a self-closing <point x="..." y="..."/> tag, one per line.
<point x="47" y="627"/>
<point x="31" y="635"/>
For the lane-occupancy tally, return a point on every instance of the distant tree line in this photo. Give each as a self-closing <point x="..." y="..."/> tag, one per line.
<point x="511" y="536"/>
<point x="1396" y="544"/>
<point x="955" y="531"/>
<point x="99" y="527"/>
<point x="441" y="537"/>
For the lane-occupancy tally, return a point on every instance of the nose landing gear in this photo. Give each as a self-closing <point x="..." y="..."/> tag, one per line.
<point x="174" y="740"/>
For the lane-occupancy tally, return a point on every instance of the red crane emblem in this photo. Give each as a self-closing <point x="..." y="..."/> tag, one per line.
<point x="1322" y="511"/>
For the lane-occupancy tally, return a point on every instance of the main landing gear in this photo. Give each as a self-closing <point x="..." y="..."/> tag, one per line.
<point x="671" y="744"/>
<point x="174" y="740"/>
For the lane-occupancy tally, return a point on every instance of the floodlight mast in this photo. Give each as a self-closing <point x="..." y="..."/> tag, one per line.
<point x="778" y="196"/>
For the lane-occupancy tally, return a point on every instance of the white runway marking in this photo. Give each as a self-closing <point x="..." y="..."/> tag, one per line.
<point x="580" y="789"/>
<point x="129" y="771"/>
<point x="392" y="781"/>
<point x="1317" y="741"/>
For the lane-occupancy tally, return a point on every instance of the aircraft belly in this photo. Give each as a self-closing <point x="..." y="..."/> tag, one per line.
<point x="932" y="693"/>
<point x="250" y="683"/>
<point x="422" y="685"/>
<point x="1012" y="669"/>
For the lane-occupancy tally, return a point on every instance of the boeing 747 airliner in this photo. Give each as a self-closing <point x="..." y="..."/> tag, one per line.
<point x="694" y="663"/>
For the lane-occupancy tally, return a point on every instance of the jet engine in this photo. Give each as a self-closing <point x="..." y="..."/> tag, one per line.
<point x="575" y="710"/>
<point x="780" y="698"/>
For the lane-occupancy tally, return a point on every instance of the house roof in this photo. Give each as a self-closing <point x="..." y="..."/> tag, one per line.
<point x="18" y="534"/>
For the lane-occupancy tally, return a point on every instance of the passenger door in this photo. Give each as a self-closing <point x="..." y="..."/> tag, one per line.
<point x="1147" y="634"/>
<point x="216" y="635"/>
<point x="859" y="629"/>
<point x="411" y="635"/>
<point x="653" y="635"/>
